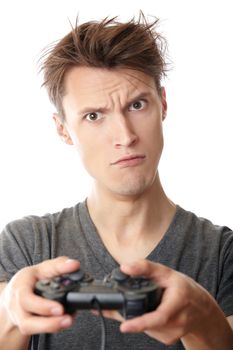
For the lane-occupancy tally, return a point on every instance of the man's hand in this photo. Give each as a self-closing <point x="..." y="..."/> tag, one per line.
<point x="187" y="311"/>
<point x="28" y="312"/>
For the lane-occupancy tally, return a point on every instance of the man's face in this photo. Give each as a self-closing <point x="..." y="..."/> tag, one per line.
<point x="114" y="119"/>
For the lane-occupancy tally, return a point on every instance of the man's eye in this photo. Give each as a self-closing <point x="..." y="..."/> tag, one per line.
<point x="93" y="116"/>
<point x="137" y="105"/>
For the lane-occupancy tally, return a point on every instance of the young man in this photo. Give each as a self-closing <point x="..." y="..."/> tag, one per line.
<point x="105" y="81"/>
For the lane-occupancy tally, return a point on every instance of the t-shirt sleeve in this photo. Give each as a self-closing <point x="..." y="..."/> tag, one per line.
<point x="225" y="291"/>
<point x="21" y="244"/>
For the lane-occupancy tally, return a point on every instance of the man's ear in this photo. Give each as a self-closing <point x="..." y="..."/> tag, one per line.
<point x="62" y="130"/>
<point x="164" y="102"/>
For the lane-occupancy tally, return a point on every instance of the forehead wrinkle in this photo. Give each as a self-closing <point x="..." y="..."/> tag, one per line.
<point x="119" y="97"/>
<point x="121" y="94"/>
<point x="128" y="93"/>
<point x="113" y="92"/>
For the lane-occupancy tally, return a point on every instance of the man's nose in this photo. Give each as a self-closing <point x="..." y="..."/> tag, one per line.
<point x="123" y="133"/>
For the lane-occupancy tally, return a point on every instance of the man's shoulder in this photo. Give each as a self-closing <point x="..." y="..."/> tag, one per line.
<point x="34" y="238"/>
<point x="34" y="223"/>
<point x="200" y="227"/>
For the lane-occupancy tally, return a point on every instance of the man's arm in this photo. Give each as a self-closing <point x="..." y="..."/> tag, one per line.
<point x="219" y="337"/>
<point x="10" y="337"/>
<point x="22" y="313"/>
<point x="230" y="321"/>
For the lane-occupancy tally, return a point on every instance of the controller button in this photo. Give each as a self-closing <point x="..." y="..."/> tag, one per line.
<point x="66" y="282"/>
<point x="76" y="276"/>
<point x="145" y="283"/>
<point x="119" y="276"/>
<point x="57" y="279"/>
<point x="45" y="282"/>
<point x="55" y="285"/>
<point x="135" y="286"/>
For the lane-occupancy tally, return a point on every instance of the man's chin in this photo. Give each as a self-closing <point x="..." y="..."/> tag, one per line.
<point x="131" y="190"/>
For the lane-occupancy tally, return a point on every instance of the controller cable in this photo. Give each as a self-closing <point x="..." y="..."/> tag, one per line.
<point x="97" y="306"/>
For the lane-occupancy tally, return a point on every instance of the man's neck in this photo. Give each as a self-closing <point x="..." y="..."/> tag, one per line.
<point x="130" y="224"/>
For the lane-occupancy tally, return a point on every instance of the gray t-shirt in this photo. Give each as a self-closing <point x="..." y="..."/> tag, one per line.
<point x="191" y="245"/>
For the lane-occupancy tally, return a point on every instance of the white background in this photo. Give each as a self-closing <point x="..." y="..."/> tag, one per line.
<point x="39" y="174"/>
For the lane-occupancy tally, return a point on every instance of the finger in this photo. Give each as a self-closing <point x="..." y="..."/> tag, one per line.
<point x="41" y="306"/>
<point x="141" y="324"/>
<point x="150" y="270"/>
<point x="34" y="324"/>
<point x="56" y="267"/>
<point x="112" y="314"/>
<point x="47" y="269"/>
<point x="157" y="328"/>
<point x="170" y="308"/>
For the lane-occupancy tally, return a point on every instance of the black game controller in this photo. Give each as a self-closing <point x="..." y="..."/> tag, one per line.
<point x="132" y="296"/>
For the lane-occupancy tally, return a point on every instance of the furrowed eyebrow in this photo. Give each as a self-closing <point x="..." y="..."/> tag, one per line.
<point x="140" y="96"/>
<point x="91" y="109"/>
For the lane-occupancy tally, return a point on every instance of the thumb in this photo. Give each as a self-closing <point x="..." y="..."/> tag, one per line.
<point x="55" y="267"/>
<point x="155" y="271"/>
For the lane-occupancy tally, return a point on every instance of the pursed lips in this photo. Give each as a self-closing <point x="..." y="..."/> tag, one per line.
<point x="132" y="159"/>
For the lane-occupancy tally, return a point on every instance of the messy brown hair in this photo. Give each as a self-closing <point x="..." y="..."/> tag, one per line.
<point x="105" y="44"/>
